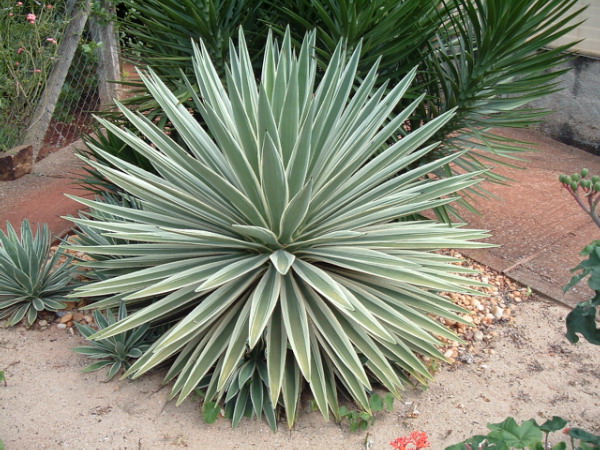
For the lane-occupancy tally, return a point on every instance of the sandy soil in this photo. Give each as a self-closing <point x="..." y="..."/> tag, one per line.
<point x="531" y="372"/>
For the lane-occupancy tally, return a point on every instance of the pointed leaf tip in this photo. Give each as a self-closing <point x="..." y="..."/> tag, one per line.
<point x="282" y="261"/>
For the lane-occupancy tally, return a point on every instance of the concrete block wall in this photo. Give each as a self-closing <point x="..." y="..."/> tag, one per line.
<point x="575" y="119"/>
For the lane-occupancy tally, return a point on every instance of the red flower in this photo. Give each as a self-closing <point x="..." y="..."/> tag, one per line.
<point x="566" y="430"/>
<point x="401" y="443"/>
<point x="416" y="441"/>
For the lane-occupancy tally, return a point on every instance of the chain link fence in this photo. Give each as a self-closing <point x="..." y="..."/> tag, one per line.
<point x="65" y="54"/>
<point x="79" y="98"/>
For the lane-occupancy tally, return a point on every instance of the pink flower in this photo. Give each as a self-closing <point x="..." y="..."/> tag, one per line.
<point x="51" y="40"/>
<point x="19" y="3"/>
<point x="37" y="70"/>
<point x="31" y="18"/>
<point x="49" y="6"/>
<point x="17" y="64"/>
<point x="10" y="14"/>
<point x="20" y="50"/>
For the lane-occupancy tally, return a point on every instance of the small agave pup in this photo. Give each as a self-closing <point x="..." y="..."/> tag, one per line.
<point x="278" y="231"/>
<point x="31" y="280"/>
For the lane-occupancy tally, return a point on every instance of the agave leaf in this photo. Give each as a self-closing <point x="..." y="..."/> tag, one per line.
<point x="282" y="261"/>
<point x="322" y="283"/>
<point x="236" y="347"/>
<point x="295" y="212"/>
<point x="295" y="319"/>
<point x="263" y="235"/>
<point x="96" y="366"/>
<point x="317" y="382"/>
<point x="274" y="183"/>
<point x="232" y="272"/>
<point x="291" y="390"/>
<point x="242" y="399"/>
<point x="257" y="395"/>
<point x="263" y="302"/>
<point x="276" y="354"/>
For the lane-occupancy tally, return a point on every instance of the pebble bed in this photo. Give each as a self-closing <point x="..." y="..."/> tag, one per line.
<point x="486" y="312"/>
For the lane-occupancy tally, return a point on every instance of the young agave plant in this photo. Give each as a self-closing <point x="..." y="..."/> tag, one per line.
<point x="31" y="280"/>
<point x="280" y="228"/>
<point x="116" y="352"/>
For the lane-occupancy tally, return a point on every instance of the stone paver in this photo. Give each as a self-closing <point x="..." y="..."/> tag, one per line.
<point x="40" y="196"/>
<point x="539" y="227"/>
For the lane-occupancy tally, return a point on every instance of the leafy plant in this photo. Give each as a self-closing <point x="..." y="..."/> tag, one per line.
<point x="585" y="191"/>
<point x="582" y="319"/>
<point x="247" y="392"/>
<point x="29" y="33"/>
<point x="508" y="434"/>
<point x="31" y="280"/>
<point x="2" y="377"/>
<point x="86" y="235"/>
<point x="361" y="420"/>
<point x="115" y="352"/>
<point x="283" y="233"/>
<point x="486" y="58"/>
<point x="160" y="31"/>
<point x="107" y="141"/>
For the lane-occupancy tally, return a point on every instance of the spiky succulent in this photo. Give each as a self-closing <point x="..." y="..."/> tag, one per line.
<point x="115" y="352"/>
<point x="89" y="236"/>
<point x="31" y="279"/>
<point x="279" y="228"/>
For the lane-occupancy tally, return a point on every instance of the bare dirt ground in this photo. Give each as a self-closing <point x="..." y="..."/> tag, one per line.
<point x="528" y="370"/>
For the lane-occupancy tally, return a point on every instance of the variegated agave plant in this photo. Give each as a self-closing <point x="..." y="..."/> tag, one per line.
<point x="279" y="228"/>
<point x="32" y="279"/>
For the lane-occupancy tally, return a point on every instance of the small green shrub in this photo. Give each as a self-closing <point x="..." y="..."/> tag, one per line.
<point x="30" y="280"/>
<point x="29" y="36"/>
<point x="361" y="420"/>
<point x="115" y="352"/>
<point x="582" y="319"/>
<point x="508" y="435"/>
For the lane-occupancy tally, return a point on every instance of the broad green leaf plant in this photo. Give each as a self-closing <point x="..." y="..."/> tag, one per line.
<point x="31" y="278"/>
<point x="582" y="319"/>
<point x="509" y="434"/>
<point x="281" y="229"/>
